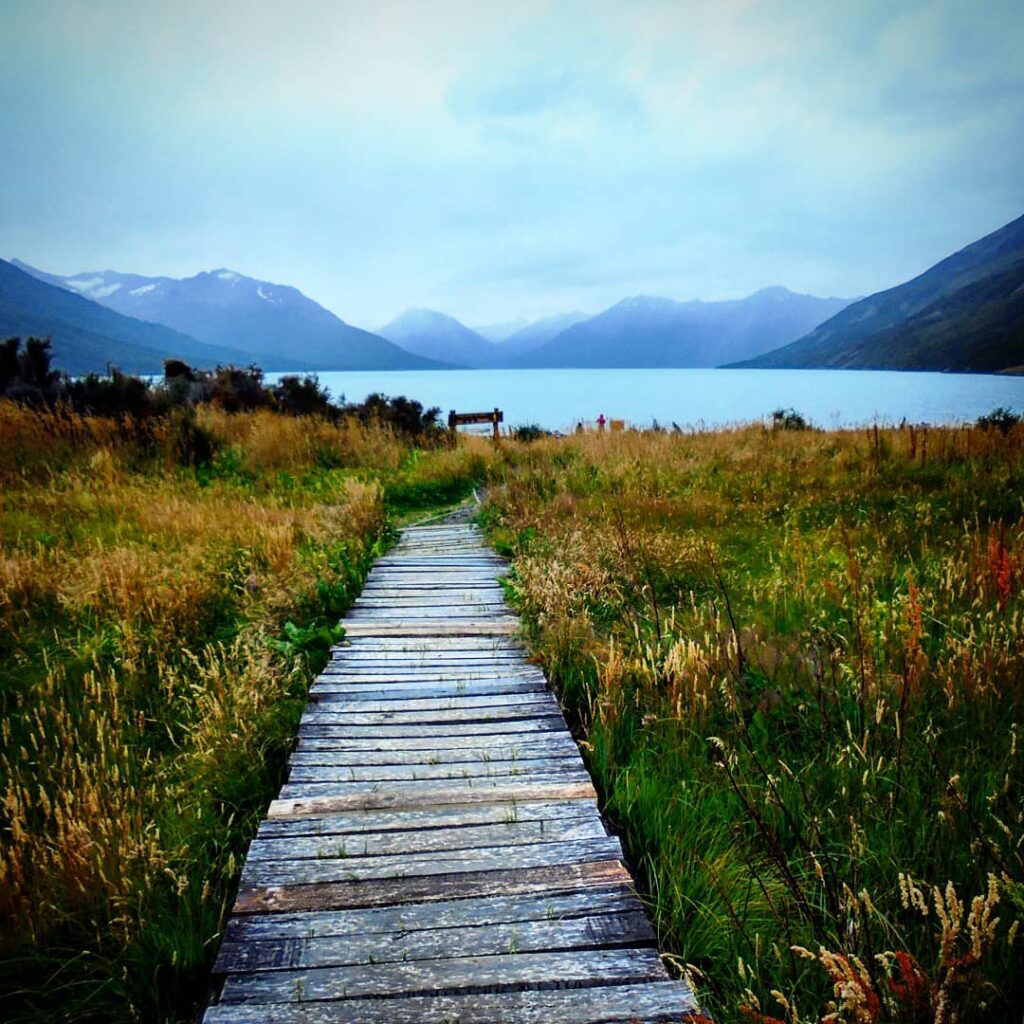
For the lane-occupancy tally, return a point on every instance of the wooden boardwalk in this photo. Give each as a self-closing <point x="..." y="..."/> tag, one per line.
<point x="437" y="854"/>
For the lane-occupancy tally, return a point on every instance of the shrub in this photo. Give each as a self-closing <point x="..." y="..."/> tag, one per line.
<point x="788" y="419"/>
<point x="1000" y="418"/>
<point x="407" y="417"/>
<point x="528" y="432"/>
<point x="25" y="373"/>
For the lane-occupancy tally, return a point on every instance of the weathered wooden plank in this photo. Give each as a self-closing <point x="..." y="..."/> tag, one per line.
<point x="467" y="668"/>
<point x="437" y="658"/>
<point x="340" y="714"/>
<point x="417" y="917"/>
<point x="479" y="973"/>
<point x="361" y="612"/>
<point x="423" y="677"/>
<point x="414" y="539"/>
<point x="450" y="698"/>
<point x="442" y="587"/>
<point x="424" y="789"/>
<point x="495" y="684"/>
<point x="428" y="888"/>
<point x="476" y="572"/>
<point x="484" y="745"/>
<point x="422" y="608"/>
<point x="405" y="690"/>
<point x="451" y="702"/>
<point x="566" y="767"/>
<point x="596" y="931"/>
<point x="451" y="669"/>
<point x="439" y="575"/>
<point x="457" y="599"/>
<point x="421" y="818"/>
<point x="444" y="648"/>
<point x="659" y="1002"/>
<point x="434" y="628"/>
<point x="470" y="591"/>
<point x="429" y="551"/>
<point x="452" y="757"/>
<point x="430" y="588"/>
<point x="380" y="844"/>
<point x="447" y="529"/>
<point x="316" y="870"/>
<point x="471" y="642"/>
<point x="466" y="678"/>
<point x="447" y="667"/>
<point x="509" y="728"/>
<point x="413" y="796"/>
<point x="478" y="558"/>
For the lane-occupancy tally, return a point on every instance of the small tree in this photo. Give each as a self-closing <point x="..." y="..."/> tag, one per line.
<point x="25" y="373"/>
<point x="788" y="419"/>
<point x="1000" y="418"/>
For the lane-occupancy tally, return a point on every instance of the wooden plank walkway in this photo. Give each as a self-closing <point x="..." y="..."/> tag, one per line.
<point x="437" y="854"/>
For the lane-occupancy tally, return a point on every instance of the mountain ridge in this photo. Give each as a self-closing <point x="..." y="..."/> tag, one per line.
<point x="88" y="337"/>
<point x="653" y="331"/>
<point x="433" y="335"/>
<point x="274" y="325"/>
<point x="925" y="322"/>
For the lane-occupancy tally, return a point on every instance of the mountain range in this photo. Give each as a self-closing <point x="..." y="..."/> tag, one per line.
<point x="436" y="336"/>
<point x="433" y="335"/>
<point x="966" y="313"/>
<point x="273" y="325"/>
<point x="639" y="331"/>
<point x="649" y="331"/>
<point x="87" y="336"/>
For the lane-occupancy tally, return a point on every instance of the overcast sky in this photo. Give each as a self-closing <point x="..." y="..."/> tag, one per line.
<point x="505" y="159"/>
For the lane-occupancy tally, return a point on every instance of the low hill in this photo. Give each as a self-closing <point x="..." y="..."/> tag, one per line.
<point x="499" y="332"/>
<point x="540" y="332"/>
<point x="647" y="331"/>
<point x="88" y="337"/>
<point x="274" y="325"/>
<point x="965" y="313"/>
<point x="433" y="335"/>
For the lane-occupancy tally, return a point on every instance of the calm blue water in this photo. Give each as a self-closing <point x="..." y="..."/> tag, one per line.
<point x="558" y="399"/>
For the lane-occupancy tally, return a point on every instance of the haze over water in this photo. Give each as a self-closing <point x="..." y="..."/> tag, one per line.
<point x="558" y="399"/>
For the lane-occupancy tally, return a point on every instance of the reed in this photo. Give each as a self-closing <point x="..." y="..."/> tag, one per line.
<point x="159" y="625"/>
<point x="796" y="661"/>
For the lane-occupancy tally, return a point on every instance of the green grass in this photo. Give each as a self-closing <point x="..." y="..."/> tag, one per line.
<point x="159" y="626"/>
<point x="797" y="662"/>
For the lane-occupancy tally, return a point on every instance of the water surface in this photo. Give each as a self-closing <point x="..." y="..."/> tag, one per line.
<point x="558" y="399"/>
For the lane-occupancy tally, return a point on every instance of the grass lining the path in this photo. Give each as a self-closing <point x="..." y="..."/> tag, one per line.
<point x="797" y="662"/>
<point x="159" y="626"/>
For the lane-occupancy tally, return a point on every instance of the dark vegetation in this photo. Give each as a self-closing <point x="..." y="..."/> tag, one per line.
<point x="174" y="559"/>
<point x="26" y="376"/>
<point x="795" y="659"/>
<point x="964" y="314"/>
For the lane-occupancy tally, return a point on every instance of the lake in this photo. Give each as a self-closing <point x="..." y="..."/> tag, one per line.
<point x="558" y="399"/>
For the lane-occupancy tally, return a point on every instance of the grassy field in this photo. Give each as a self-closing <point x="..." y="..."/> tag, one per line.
<point x="796" y="660"/>
<point x="159" y="624"/>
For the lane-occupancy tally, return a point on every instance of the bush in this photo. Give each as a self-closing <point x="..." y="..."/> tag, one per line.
<point x="119" y="394"/>
<point x="26" y="377"/>
<point x="788" y="419"/>
<point x="1000" y="418"/>
<point x="528" y="432"/>
<point x="303" y="396"/>
<point x="25" y="374"/>
<point x="403" y="415"/>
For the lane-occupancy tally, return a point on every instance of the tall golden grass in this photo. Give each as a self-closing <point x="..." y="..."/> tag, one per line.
<point x="797" y="659"/>
<point x="148" y="690"/>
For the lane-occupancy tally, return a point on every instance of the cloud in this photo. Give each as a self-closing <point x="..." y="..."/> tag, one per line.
<point x="503" y="159"/>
